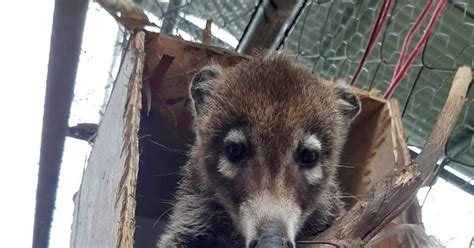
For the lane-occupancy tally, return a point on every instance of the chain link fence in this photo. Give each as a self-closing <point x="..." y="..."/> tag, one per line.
<point x="186" y="18"/>
<point x="331" y="37"/>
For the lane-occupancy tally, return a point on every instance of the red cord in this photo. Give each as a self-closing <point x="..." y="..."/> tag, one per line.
<point x="421" y="43"/>
<point x="409" y="37"/>
<point x="384" y="13"/>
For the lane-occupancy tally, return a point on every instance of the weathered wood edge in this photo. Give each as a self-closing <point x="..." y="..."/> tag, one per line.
<point x="127" y="186"/>
<point x="98" y="217"/>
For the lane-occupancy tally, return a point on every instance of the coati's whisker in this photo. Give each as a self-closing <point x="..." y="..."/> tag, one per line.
<point x="344" y="166"/>
<point x="168" y="148"/>
<point x="166" y="174"/>
<point x="310" y="242"/>
<point x="345" y="197"/>
<point x="349" y="165"/>
<point x="163" y="146"/>
<point x="161" y="216"/>
<point x="144" y="136"/>
<point x="168" y="202"/>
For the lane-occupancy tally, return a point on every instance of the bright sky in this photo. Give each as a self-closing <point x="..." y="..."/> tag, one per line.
<point x="23" y="66"/>
<point x="26" y="30"/>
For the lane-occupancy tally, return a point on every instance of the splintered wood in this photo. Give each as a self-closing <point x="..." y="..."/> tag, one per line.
<point x="127" y="185"/>
<point x="169" y="67"/>
<point x="104" y="211"/>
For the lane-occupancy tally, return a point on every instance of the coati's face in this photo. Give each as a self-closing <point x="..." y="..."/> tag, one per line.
<point x="269" y="134"/>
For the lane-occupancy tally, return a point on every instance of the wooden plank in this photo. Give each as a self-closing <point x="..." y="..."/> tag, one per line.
<point x="363" y="141"/>
<point x="383" y="159"/>
<point x="401" y="150"/>
<point x="169" y="95"/>
<point x="105" y="204"/>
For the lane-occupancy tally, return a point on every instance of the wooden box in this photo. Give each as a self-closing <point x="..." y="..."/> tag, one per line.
<point x="128" y="186"/>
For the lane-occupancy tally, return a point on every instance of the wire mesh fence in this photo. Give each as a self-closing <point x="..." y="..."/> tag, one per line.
<point x="186" y="18"/>
<point x="331" y="37"/>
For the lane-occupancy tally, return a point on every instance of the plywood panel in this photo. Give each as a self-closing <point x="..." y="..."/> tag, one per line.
<point x="169" y="67"/>
<point x="105" y="204"/>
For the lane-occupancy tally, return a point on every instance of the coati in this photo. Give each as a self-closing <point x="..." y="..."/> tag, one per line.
<point x="261" y="172"/>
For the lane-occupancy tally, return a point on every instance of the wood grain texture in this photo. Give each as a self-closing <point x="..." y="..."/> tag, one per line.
<point x="169" y="92"/>
<point x="207" y="33"/>
<point x="126" y="192"/>
<point x="104" y="206"/>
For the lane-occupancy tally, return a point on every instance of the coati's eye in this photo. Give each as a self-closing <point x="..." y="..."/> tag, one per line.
<point x="307" y="153"/>
<point x="235" y="152"/>
<point x="307" y="158"/>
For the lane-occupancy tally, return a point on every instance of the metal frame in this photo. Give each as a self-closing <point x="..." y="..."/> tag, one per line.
<point x="67" y="30"/>
<point x="270" y="24"/>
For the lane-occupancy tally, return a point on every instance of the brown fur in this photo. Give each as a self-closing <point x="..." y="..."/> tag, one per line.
<point x="272" y="100"/>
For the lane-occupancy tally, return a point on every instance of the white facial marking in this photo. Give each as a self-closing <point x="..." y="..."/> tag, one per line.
<point x="315" y="174"/>
<point x="226" y="168"/>
<point x="311" y="141"/>
<point x="266" y="208"/>
<point x="235" y="135"/>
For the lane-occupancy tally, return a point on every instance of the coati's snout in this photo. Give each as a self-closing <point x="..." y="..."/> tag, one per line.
<point x="268" y="138"/>
<point x="271" y="235"/>
<point x="269" y="221"/>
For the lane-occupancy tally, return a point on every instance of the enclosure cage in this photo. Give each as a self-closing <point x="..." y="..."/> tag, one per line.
<point x="332" y="37"/>
<point x="127" y="188"/>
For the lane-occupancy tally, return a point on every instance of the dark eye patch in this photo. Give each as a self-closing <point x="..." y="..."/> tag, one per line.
<point x="235" y="144"/>
<point x="235" y="151"/>
<point x="308" y="151"/>
<point x="307" y="158"/>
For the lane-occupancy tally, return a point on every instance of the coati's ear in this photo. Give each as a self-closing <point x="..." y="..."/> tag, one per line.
<point x="348" y="102"/>
<point x="202" y="84"/>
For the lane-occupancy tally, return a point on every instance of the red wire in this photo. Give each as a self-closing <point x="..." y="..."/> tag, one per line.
<point x="384" y="12"/>
<point x="409" y="37"/>
<point x="398" y="77"/>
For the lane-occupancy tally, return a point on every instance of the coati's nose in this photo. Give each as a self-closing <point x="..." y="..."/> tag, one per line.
<point x="271" y="236"/>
